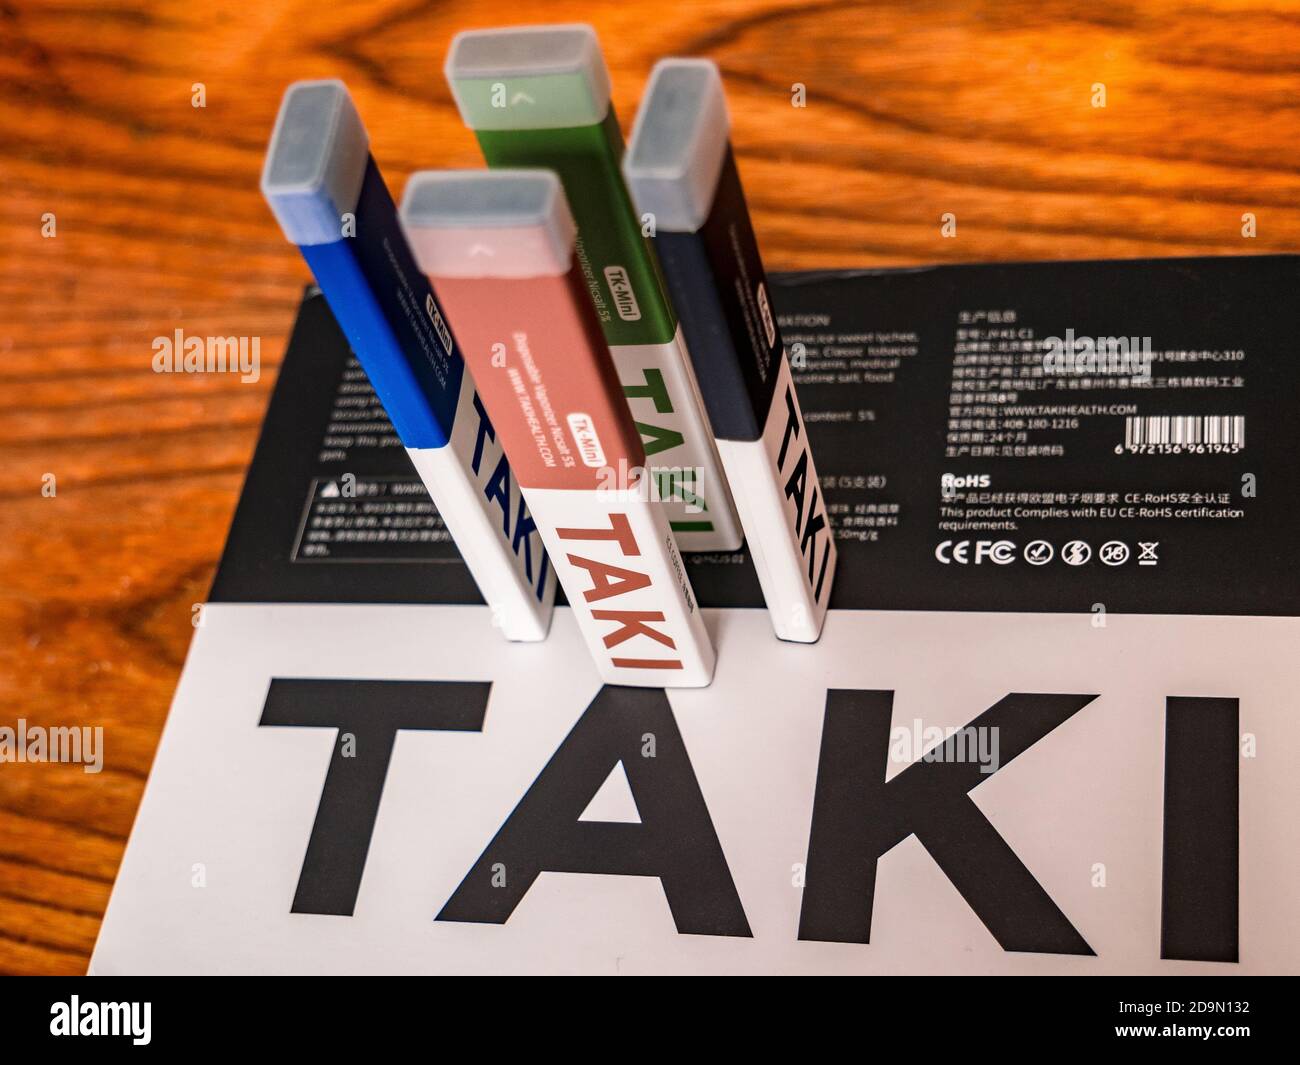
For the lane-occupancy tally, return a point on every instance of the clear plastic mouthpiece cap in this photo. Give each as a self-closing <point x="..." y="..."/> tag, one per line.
<point x="488" y="223"/>
<point x="678" y="145"/>
<point x="529" y="77"/>
<point x="316" y="162"/>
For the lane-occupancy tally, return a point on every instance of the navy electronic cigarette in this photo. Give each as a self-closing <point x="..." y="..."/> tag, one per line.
<point x="682" y="175"/>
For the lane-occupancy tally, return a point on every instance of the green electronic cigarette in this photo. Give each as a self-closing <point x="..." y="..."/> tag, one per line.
<point x="539" y="96"/>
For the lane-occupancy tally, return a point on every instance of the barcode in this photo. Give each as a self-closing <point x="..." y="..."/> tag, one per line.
<point x="1225" y="429"/>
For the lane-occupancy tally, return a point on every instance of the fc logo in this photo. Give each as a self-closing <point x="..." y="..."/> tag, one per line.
<point x="975" y="552"/>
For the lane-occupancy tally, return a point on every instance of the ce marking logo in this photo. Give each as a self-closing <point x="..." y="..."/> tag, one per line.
<point x="975" y="552"/>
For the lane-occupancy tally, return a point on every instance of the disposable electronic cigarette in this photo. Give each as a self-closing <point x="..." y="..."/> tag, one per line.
<point x="538" y="96"/>
<point x="498" y="247"/>
<point x="681" y="170"/>
<point x="330" y="199"/>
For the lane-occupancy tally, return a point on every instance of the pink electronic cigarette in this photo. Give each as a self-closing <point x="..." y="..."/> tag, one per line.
<point x="498" y="247"/>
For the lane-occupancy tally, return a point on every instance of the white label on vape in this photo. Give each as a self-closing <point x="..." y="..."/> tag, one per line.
<point x="765" y="311"/>
<point x="622" y="294"/>
<point x="613" y="548"/>
<point x="783" y="510"/>
<point x="587" y="439"/>
<point x="483" y="509"/>
<point x="680" y="451"/>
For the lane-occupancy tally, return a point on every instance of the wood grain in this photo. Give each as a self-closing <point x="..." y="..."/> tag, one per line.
<point x="981" y="109"/>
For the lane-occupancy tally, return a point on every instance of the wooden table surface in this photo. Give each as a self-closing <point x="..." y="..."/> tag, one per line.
<point x="984" y="110"/>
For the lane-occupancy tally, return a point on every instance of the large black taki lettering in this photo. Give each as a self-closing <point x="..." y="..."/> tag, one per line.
<point x="1199" y="880"/>
<point x="372" y="712"/>
<point x="858" y="816"/>
<point x="674" y="841"/>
